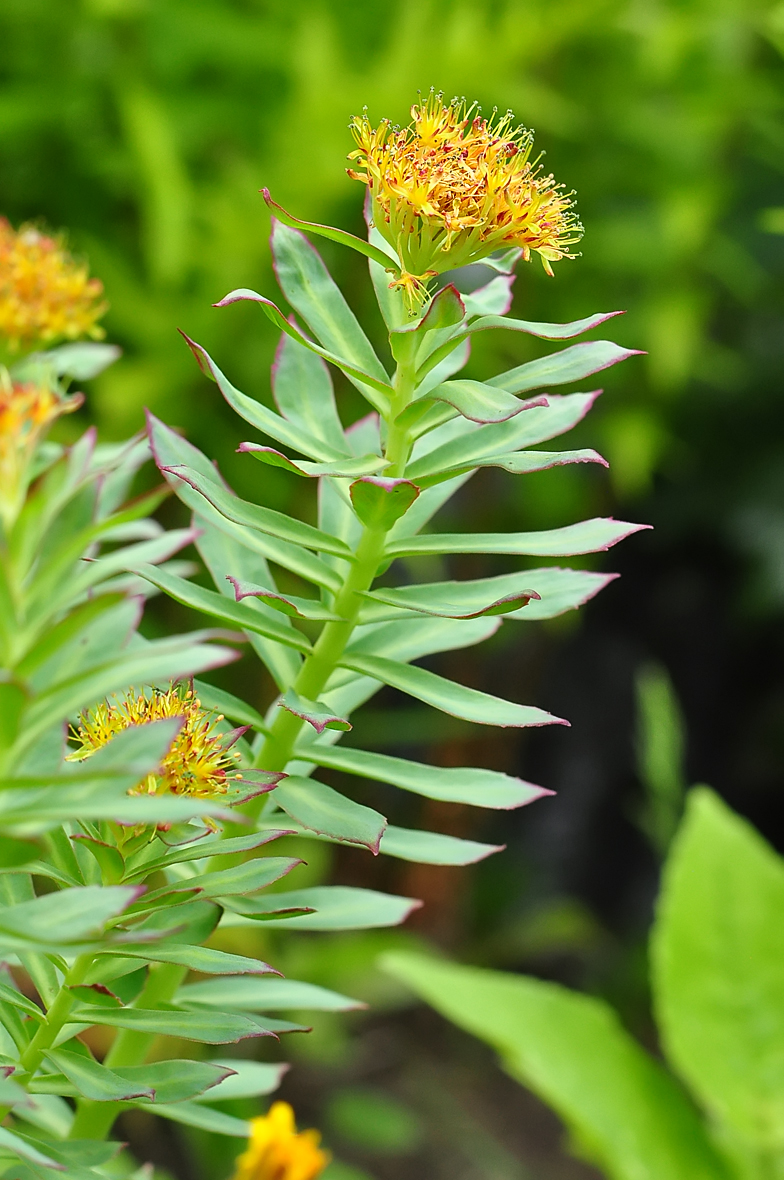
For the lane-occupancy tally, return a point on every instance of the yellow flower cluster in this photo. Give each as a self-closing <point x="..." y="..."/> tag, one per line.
<point x="198" y="762"/>
<point x="44" y="294"/>
<point x="277" y="1152"/>
<point x="453" y="187"/>
<point x="26" y="410"/>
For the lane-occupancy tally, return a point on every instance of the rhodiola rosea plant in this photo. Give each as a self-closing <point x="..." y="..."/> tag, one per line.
<point x="97" y="929"/>
<point x="450" y="189"/>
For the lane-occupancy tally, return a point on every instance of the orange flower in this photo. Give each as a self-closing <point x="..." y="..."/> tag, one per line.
<point x="277" y="1152"/>
<point x="453" y="187"/>
<point x="44" y="294"/>
<point x="26" y="410"/>
<point x="198" y="762"/>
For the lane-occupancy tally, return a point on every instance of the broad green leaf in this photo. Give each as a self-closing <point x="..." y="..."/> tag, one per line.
<point x="218" y="606"/>
<point x="264" y="995"/>
<point x="81" y="361"/>
<point x="204" y="959"/>
<point x="68" y="915"/>
<point x="206" y="1119"/>
<point x="323" y="810"/>
<point x="316" y="713"/>
<point x="264" y="520"/>
<point x="171" y="1081"/>
<point x="311" y="291"/>
<point x="718" y="964"/>
<point x="302" y="388"/>
<point x="453" y="784"/>
<point x="21" y="1147"/>
<point x="292" y="605"/>
<point x="176" y="1081"/>
<point x="96" y="1081"/>
<point x="378" y="254"/>
<point x="102" y="571"/>
<point x="31" y="810"/>
<point x="558" y="590"/>
<point x="337" y="907"/>
<point x="170" y="450"/>
<point x="491" y="319"/>
<point x="543" y="331"/>
<point x="365" y="381"/>
<point x="494" y="298"/>
<point x="456" y="444"/>
<point x="10" y="995"/>
<point x="249" y="1079"/>
<point x="449" y="600"/>
<point x="203" y="849"/>
<point x="475" y="400"/>
<point x="516" y="463"/>
<point x="433" y="848"/>
<point x="250" y="876"/>
<point x="379" y="502"/>
<point x="348" y="468"/>
<point x="570" y="364"/>
<point x="225" y="554"/>
<point x="76" y="1154"/>
<point x="466" y="703"/>
<point x="445" y="310"/>
<point x="101" y="637"/>
<point x="212" y="1028"/>
<point x="572" y="1051"/>
<point x="589" y="536"/>
<point x="161" y="660"/>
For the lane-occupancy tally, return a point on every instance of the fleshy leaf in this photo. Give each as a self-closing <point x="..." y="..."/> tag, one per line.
<point x="287" y="604"/>
<point x="316" y="713"/>
<point x="388" y="261"/>
<point x="334" y="907"/>
<point x="433" y="848"/>
<point x="266" y="520"/>
<point x="323" y="810"/>
<point x="453" y="784"/>
<point x="277" y="317"/>
<point x="589" y="536"/>
<point x="379" y="502"/>
<point x="265" y="995"/>
<point x="443" y="599"/>
<point x="476" y="400"/>
<point x="339" y="468"/>
<point x="466" y="703"/>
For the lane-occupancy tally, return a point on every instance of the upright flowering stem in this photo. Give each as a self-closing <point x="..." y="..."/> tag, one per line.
<point x="316" y="670"/>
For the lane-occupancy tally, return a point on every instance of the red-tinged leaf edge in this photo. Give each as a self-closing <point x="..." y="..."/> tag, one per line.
<point x="333" y="234"/>
<point x="320" y="721"/>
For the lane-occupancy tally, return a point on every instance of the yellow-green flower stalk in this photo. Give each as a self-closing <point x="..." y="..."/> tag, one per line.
<point x="276" y="1151"/>
<point x="453" y="187"/>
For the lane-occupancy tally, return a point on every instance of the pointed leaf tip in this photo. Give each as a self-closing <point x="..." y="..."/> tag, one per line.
<point x="379" y="502"/>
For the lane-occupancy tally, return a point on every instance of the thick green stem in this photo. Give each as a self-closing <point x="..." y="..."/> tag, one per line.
<point x="94" y="1119"/>
<point x="317" y="668"/>
<point x="57" y="1016"/>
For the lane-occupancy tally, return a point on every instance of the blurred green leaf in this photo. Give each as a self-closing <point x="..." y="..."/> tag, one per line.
<point x="718" y="961"/>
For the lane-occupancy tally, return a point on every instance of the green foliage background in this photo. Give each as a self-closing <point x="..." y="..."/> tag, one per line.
<point x="147" y="128"/>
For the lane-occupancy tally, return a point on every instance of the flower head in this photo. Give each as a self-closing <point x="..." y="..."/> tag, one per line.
<point x="453" y="187"/>
<point x="44" y="294"/>
<point x="27" y="409"/>
<point x="277" y="1152"/>
<point x="198" y="762"/>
